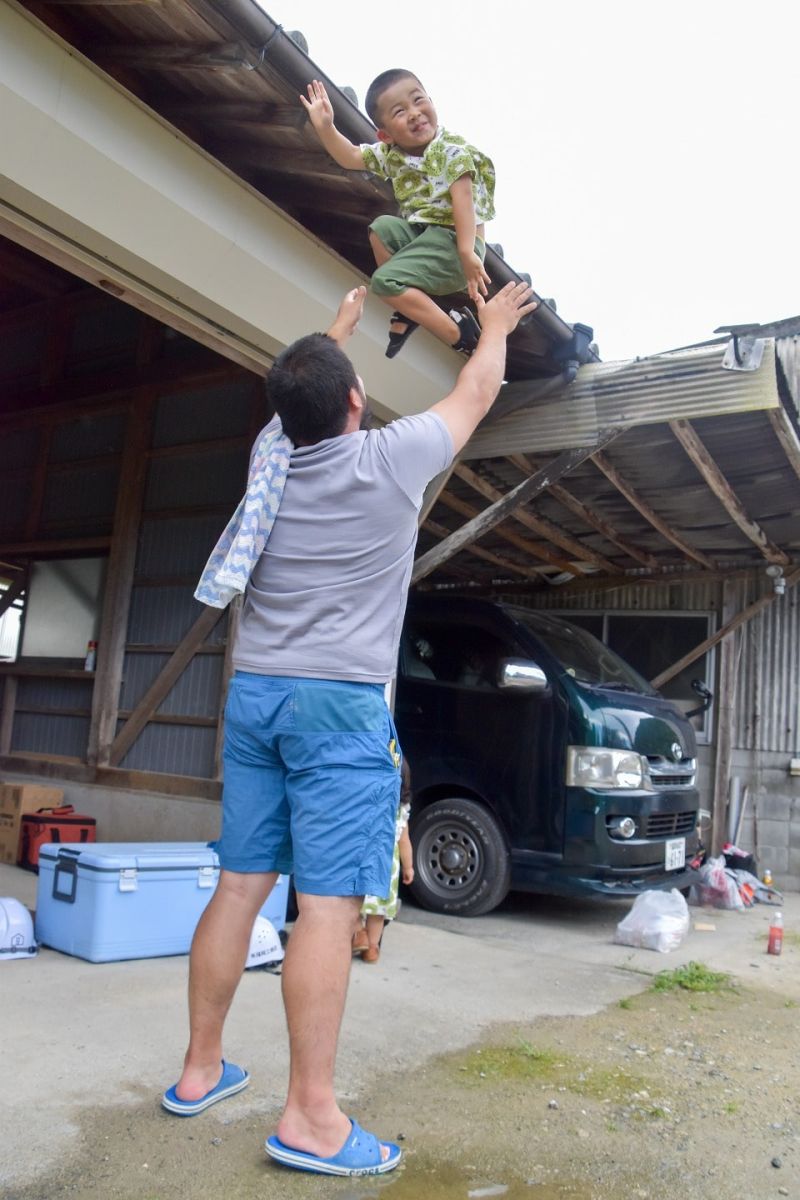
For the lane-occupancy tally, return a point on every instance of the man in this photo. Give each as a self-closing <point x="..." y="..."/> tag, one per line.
<point x="312" y="766"/>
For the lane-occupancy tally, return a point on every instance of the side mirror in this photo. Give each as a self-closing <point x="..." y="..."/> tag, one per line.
<point x="521" y="675"/>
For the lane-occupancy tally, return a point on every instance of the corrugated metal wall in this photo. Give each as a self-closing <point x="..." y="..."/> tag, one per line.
<point x="766" y="649"/>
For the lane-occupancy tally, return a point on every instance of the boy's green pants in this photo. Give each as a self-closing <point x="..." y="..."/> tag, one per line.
<point x="423" y="256"/>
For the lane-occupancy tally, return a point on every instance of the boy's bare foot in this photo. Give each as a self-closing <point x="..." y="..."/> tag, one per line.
<point x="371" y="954"/>
<point x="360" y="941"/>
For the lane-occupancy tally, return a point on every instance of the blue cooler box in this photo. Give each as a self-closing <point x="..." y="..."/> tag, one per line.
<point x="116" y="900"/>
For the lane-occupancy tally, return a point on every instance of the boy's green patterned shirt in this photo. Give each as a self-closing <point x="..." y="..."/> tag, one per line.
<point x="422" y="183"/>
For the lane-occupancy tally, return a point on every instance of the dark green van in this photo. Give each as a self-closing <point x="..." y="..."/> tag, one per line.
<point x="540" y="760"/>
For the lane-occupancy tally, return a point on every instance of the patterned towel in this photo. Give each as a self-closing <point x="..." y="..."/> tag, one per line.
<point x="245" y="536"/>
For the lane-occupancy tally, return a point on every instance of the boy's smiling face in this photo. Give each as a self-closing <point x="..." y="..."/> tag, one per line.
<point x="407" y="116"/>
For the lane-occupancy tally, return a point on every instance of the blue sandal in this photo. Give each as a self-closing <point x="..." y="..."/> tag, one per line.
<point x="360" y="1155"/>
<point x="233" y="1079"/>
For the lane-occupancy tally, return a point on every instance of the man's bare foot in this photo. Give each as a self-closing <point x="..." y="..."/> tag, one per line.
<point x="321" y="1138"/>
<point x="196" y="1082"/>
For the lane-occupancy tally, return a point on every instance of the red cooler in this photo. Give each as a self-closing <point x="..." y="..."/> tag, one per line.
<point x="50" y="825"/>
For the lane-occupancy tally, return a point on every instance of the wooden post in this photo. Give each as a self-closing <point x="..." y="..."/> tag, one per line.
<point x="119" y="581"/>
<point x="7" y="713"/>
<point x="723" y="705"/>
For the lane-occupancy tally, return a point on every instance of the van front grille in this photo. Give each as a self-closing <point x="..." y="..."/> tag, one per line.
<point x="666" y="774"/>
<point x="661" y="825"/>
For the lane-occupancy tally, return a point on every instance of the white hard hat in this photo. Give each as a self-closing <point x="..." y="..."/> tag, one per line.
<point x="16" y="930"/>
<point x="265" y="945"/>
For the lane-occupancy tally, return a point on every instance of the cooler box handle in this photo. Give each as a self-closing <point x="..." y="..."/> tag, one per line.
<point x="66" y="864"/>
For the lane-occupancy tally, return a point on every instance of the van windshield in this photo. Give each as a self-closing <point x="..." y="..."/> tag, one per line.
<point x="581" y="655"/>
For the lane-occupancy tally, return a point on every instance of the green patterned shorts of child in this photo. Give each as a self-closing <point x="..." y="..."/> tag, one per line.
<point x="423" y="256"/>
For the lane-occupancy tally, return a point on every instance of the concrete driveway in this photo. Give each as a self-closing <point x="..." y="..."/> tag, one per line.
<point x="75" y="1034"/>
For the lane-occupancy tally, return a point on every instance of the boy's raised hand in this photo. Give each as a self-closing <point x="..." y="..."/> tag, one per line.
<point x="505" y="310"/>
<point x="475" y="274"/>
<point x="318" y="106"/>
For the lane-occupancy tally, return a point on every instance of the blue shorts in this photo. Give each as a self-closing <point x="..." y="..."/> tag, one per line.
<point x="311" y="784"/>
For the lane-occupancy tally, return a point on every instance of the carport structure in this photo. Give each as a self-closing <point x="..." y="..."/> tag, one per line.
<point x="169" y="224"/>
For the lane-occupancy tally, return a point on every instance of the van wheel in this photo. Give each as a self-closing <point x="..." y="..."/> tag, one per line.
<point x="461" y="861"/>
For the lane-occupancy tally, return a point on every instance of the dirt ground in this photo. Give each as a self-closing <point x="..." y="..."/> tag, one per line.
<point x="675" y="1095"/>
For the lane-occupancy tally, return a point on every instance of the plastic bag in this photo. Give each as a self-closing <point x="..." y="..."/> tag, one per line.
<point x="716" y="885"/>
<point x="657" y="921"/>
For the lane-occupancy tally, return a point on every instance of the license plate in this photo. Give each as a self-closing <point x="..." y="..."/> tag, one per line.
<point x="675" y="854"/>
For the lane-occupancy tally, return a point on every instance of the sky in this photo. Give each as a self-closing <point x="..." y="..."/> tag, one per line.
<point x="646" y="153"/>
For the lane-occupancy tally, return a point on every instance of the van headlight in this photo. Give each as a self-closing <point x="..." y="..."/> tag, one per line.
<point x="594" y="767"/>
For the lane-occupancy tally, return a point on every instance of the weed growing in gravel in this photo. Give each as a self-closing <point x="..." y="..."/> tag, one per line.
<point x="693" y="977"/>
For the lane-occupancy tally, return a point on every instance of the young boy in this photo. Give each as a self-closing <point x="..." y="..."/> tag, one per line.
<point x="445" y="190"/>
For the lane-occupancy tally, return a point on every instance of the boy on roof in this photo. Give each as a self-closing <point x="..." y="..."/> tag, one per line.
<point x="445" y="190"/>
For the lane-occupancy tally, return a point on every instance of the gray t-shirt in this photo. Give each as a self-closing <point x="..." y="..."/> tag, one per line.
<point x="327" y="597"/>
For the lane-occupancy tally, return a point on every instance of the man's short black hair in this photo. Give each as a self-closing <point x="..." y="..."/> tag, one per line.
<point x="385" y="80"/>
<point x="309" y="386"/>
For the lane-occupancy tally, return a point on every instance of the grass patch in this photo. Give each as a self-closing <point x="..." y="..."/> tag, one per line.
<point x="626" y="1002"/>
<point x="525" y="1062"/>
<point x="693" y="977"/>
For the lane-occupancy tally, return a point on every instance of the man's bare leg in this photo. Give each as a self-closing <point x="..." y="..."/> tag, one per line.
<point x="219" y="952"/>
<point x="314" y="978"/>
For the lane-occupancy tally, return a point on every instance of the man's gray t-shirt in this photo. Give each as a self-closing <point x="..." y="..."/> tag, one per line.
<point x="327" y="597"/>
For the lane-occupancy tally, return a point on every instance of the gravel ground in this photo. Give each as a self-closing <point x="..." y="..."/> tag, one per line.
<point x="683" y="1095"/>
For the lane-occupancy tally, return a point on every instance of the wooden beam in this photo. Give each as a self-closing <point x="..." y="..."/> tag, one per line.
<point x="38" y="482"/>
<point x="650" y="515"/>
<point x="538" y="523"/>
<point x="485" y="555"/>
<point x="521" y="494"/>
<point x="162" y="685"/>
<point x="723" y="713"/>
<point x="588" y="515"/>
<point x="532" y="548"/>
<point x="58" y="767"/>
<point x="433" y="491"/>
<point x="30" y="273"/>
<point x="784" y="432"/>
<point x="741" y="618"/>
<point x="55" y="547"/>
<point x="686" y="434"/>
<point x="160" y="56"/>
<point x="119" y="580"/>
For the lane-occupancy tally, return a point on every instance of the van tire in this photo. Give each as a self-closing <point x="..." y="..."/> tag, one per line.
<point x="477" y="873"/>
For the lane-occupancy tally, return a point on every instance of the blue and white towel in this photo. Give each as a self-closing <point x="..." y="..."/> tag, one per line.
<point x="245" y="536"/>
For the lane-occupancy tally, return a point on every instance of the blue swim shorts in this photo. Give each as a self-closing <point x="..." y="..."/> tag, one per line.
<point x="311" y="783"/>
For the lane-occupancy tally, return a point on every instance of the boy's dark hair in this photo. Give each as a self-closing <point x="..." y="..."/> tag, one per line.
<point x="308" y="387"/>
<point x="379" y="85"/>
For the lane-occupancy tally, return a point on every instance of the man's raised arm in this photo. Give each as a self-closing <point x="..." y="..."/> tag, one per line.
<point x="479" y="381"/>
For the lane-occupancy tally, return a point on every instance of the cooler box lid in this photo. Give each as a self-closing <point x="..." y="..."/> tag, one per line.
<point x="140" y="856"/>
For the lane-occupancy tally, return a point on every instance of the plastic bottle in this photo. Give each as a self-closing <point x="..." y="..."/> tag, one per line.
<point x="90" y="662"/>
<point x="775" y="940"/>
<point x="767" y="878"/>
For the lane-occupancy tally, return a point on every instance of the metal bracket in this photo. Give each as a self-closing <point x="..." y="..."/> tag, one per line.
<point x="205" y="877"/>
<point x="128" y="879"/>
<point x="743" y="353"/>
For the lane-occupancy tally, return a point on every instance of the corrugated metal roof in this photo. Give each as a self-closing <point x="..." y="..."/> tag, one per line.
<point x="648" y="391"/>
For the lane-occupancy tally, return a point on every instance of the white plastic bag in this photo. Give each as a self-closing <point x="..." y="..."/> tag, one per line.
<point x="657" y="921"/>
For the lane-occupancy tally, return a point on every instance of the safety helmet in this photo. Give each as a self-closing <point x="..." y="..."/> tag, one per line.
<point x="16" y="930"/>
<point x="265" y="945"/>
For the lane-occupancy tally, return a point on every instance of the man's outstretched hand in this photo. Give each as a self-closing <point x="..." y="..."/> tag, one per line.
<point x="346" y="321"/>
<point x="505" y="310"/>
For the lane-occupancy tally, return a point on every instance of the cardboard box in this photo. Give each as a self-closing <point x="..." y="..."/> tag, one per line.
<point x="16" y="799"/>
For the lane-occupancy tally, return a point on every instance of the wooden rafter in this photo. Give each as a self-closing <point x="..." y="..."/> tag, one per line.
<point x="464" y="509"/>
<point x="12" y="593"/>
<point x="538" y="523"/>
<point x="591" y="518"/>
<point x="521" y="494"/>
<point x="687" y="435"/>
<point x="28" y="272"/>
<point x="784" y="432"/>
<point x="196" y="56"/>
<point x="486" y="555"/>
<point x="650" y="515"/>
<point x="745" y="615"/>
<point x="238" y="112"/>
